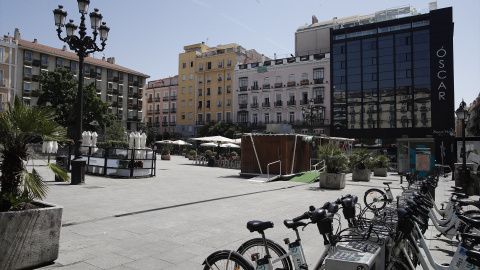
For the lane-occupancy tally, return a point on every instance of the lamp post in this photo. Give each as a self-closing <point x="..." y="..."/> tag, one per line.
<point x="82" y="45"/>
<point x="311" y="113"/>
<point x="463" y="115"/>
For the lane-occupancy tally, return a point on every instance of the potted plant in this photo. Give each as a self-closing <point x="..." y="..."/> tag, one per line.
<point x="360" y="163"/>
<point x="185" y="152"/>
<point x="192" y="154"/>
<point x="380" y="165"/>
<point x="208" y="153"/>
<point x="166" y="152"/>
<point x="336" y="164"/>
<point x="29" y="228"/>
<point x="234" y="154"/>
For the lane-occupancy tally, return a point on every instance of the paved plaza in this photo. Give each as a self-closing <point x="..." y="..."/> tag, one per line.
<point x="176" y="219"/>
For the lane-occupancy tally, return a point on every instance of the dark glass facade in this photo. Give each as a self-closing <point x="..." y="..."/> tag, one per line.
<point x="394" y="78"/>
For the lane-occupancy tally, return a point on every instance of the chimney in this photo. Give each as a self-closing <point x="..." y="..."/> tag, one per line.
<point x="111" y="60"/>
<point x="17" y="34"/>
<point x="64" y="48"/>
<point x="35" y="40"/>
<point x="314" y="19"/>
<point x="263" y="58"/>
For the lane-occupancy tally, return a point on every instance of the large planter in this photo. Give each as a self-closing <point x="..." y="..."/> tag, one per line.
<point x="361" y="175"/>
<point x="165" y="157"/>
<point x="380" y="172"/>
<point x="191" y="157"/>
<point x="332" y="180"/>
<point x="30" y="238"/>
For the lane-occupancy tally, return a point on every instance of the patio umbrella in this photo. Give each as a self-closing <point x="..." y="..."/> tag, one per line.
<point x="163" y="142"/>
<point x="180" y="142"/>
<point x="217" y="139"/>
<point x="229" y="145"/>
<point x="237" y="141"/>
<point x="208" y="144"/>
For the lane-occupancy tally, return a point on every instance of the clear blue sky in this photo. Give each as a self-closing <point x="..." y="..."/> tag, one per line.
<point x="148" y="35"/>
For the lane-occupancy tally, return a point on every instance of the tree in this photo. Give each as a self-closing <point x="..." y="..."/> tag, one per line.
<point x="115" y="132"/>
<point x="151" y="132"/>
<point x="59" y="91"/>
<point x="223" y="129"/>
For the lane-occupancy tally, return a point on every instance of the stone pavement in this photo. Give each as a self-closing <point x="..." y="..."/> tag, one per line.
<point x="176" y="219"/>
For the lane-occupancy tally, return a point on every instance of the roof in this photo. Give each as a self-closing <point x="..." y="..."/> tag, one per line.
<point x="71" y="55"/>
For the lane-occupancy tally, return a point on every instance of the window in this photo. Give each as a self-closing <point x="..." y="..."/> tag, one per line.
<point x="267" y="118"/>
<point x="191" y="63"/>
<point x="44" y="60"/>
<point x="318" y="75"/>
<point x="266" y="82"/>
<point x="87" y="69"/>
<point x="228" y="117"/>
<point x="183" y="77"/>
<point x="199" y="104"/>
<point x="229" y="89"/>
<point x="191" y="76"/>
<point x="243" y="83"/>
<point x="183" y="103"/>
<point x="190" y="89"/>
<point x="165" y="94"/>
<point x="190" y="102"/>
<point x="291" y="78"/>
<point x="291" y="117"/>
<point x="219" y="90"/>
<point x="200" y="92"/>
<point x="242" y="99"/>
<point x="189" y="115"/>
<point x="255" y="118"/>
<point x="27" y="86"/>
<point x="219" y="77"/>
<point x="304" y="76"/>
<point x="229" y="76"/>
<point x="183" y="116"/>
<point x="209" y="65"/>
<point x="27" y="72"/>
<point x="28" y="56"/>
<point x="2" y="55"/>
<point x="73" y="66"/>
<point x="2" y="84"/>
<point x="279" y="117"/>
<point x="220" y="63"/>
<point x="201" y="66"/>
<point x="208" y="117"/>
<point x="208" y="91"/>
<point x="59" y="62"/>
<point x="200" y="79"/>
<point x="229" y="62"/>
<point x="278" y="79"/>
<point x="183" y="90"/>
<point x="229" y="102"/>
<point x="99" y="71"/>
<point x="184" y="65"/>
<point x="219" y="103"/>
<point x="208" y="104"/>
<point x="219" y="116"/>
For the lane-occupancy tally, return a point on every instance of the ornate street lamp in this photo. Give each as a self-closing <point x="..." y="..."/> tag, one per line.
<point x="82" y="45"/>
<point x="462" y="114"/>
<point x="311" y="113"/>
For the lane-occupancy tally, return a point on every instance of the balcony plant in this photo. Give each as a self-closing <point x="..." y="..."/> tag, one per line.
<point x="336" y="162"/>
<point x="22" y="214"/>
<point x="360" y="163"/>
<point x="380" y="165"/>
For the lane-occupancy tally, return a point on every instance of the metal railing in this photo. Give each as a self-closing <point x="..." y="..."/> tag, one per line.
<point x="268" y="171"/>
<point x="315" y="167"/>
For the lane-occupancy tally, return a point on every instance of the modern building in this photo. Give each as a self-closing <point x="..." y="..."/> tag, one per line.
<point x="276" y="91"/>
<point x="8" y="66"/>
<point x="162" y="105"/>
<point x="206" y="84"/>
<point x="391" y="73"/>
<point x="123" y="88"/>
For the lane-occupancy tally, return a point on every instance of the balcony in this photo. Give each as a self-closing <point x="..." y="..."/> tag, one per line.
<point x="130" y="94"/>
<point x="36" y="78"/>
<point x="278" y="103"/>
<point x="304" y="102"/>
<point x="254" y="105"/>
<point x="166" y="98"/>
<point x="110" y="91"/>
<point x="149" y="111"/>
<point x="304" y="82"/>
<point x="255" y="87"/>
<point x="135" y="95"/>
<point x="173" y="123"/>
<point x="135" y="83"/>
<point x="150" y="100"/>
<point x="243" y="105"/>
<point x="292" y="102"/>
<point x="200" y="82"/>
<point x="115" y="91"/>
<point x="318" y="81"/>
<point x="166" y="110"/>
<point x="199" y="122"/>
<point x="157" y="124"/>
<point x="266" y="86"/>
<point x="36" y="63"/>
<point x="157" y="99"/>
<point x="266" y="105"/>
<point x="114" y="104"/>
<point x="135" y="106"/>
<point x="115" y="79"/>
<point x="278" y="85"/>
<point x="164" y="124"/>
<point x="173" y="97"/>
<point x="243" y="88"/>
<point x="318" y="100"/>
<point x="157" y="111"/>
<point x="149" y="124"/>
<point x="290" y="84"/>
<point x="173" y="110"/>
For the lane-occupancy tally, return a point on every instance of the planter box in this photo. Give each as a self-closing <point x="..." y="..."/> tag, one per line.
<point x="361" y="175"/>
<point x="30" y="238"/>
<point x="165" y="157"/>
<point x="190" y="157"/>
<point x="332" y="180"/>
<point x="380" y="172"/>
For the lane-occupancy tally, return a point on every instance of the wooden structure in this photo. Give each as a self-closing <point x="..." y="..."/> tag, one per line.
<point x="258" y="150"/>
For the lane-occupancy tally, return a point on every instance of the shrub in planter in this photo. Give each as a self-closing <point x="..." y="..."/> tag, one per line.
<point x="165" y="153"/>
<point x="19" y="125"/>
<point x="336" y="164"/>
<point x="234" y="154"/>
<point x="380" y="165"/>
<point x="192" y="154"/>
<point x="360" y="163"/>
<point x="208" y="153"/>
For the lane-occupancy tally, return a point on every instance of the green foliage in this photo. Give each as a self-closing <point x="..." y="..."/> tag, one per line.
<point x="151" y="132"/>
<point x="20" y="124"/>
<point x="381" y="161"/>
<point x="115" y="131"/>
<point x="59" y="91"/>
<point x="208" y="153"/>
<point x="113" y="144"/>
<point x="360" y="159"/>
<point x="335" y="159"/>
<point x="233" y="153"/>
<point x="192" y="153"/>
<point x="184" y="150"/>
<point x="165" y="151"/>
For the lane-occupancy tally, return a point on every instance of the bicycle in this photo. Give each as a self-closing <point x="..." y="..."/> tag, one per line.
<point x="375" y="199"/>
<point x="226" y="260"/>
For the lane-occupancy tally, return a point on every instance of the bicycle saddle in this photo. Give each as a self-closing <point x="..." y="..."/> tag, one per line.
<point x="470" y="221"/>
<point x="293" y="224"/>
<point x="475" y="239"/>
<point x="259" y="226"/>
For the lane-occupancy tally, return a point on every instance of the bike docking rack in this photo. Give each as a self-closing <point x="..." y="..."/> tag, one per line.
<point x="117" y="162"/>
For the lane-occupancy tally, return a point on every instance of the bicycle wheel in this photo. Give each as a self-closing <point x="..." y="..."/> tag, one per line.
<point x="226" y="260"/>
<point x="375" y="199"/>
<point x="255" y="245"/>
